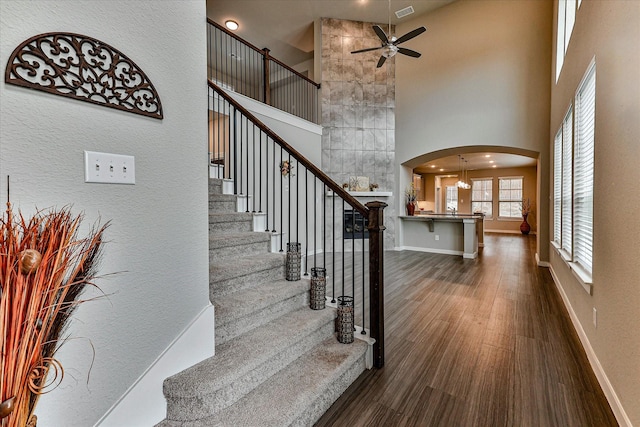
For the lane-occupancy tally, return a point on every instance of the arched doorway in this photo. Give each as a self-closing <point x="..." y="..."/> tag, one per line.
<point x="496" y="180"/>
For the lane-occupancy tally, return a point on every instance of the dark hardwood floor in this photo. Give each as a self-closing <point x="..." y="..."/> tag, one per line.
<point x="483" y="342"/>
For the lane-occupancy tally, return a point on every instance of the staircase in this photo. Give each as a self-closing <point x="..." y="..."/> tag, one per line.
<point x="277" y="362"/>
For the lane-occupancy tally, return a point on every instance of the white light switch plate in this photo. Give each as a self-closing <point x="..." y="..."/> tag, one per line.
<point x="109" y="168"/>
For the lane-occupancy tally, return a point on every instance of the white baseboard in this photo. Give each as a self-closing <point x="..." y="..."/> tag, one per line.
<point x="431" y="250"/>
<point x="542" y="263"/>
<point x="144" y="404"/>
<point x="607" y="387"/>
<point x="486" y="230"/>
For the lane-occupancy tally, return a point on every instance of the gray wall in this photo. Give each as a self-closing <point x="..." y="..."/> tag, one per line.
<point x="158" y="240"/>
<point x="482" y="80"/>
<point x="609" y="31"/>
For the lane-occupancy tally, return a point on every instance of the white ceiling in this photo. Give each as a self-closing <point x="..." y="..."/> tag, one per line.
<point x="476" y="161"/>
<point x="286" y="26"/>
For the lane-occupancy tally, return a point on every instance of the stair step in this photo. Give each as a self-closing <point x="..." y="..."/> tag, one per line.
<point x="240" y="365"/>
<point x="223" y="203"/>
<point x="215" y="186"/>
<point x="223" y="222"/>
<point x="239" y="244"/>
<point x="246" y="309"/>
<point x="297" y="395"/>
<point x="225" y="277"/>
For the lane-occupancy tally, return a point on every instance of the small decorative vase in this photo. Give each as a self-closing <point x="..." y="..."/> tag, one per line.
<point x="318" y="291"/>
<point x="525" y="228"/>
<point x="345" y="319"/>
<point x="411" y="208"/>
<point x="293" y="261"/>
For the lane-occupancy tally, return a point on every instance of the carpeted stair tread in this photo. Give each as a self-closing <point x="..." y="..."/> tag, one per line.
<point x="229" y="217"/>
<point x="242" y="266"/>
<point x="222" y="197"/>
<point x="298" y="395"/>
<point x="247" y="352"/>
<point x="225" y="240"/>
<point x="247" y="301"/>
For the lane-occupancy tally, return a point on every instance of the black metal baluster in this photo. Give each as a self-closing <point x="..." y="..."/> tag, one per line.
<point x="246" y="138"/>
<point x="266" y="184"/>
<point x="324" y="225"/>
<point x="344" y="227"/>
<point x="363" y="332"/>
<point x="273" y="221"/>
<point x="281" y="204"/>
<point x="315" y="222"/>
<point x="298" y="205"/>
<point x="306" y="222"/>
<point x="240" y="161"/>
<point x="253" y="205"/>
<point x="353" y="255"/>
<point x="333" y="247"/>
<point x="260" y="162"/>
<point x="289" y="198"/>
<point x="235" y="152"/>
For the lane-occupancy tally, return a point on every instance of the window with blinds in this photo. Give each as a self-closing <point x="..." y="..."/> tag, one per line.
<point x="452" y="198"/>
<point x="482" y="196"/>
<point x="557" y="188"/>
<point x="510" y="197"/>
<point x="567" y="184"/>
<point x="566" y="20"/>
<point x="583" y="171"/>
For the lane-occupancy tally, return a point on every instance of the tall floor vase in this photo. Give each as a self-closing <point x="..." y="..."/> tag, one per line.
<point x="525" y="228"/>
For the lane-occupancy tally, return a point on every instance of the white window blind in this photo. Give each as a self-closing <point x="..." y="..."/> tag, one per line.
<point x="583" y="171"/>
<point x="557" y="188"/>
<point x="567" y="183"/>
<point x="482" y="196"/>
<point x="510" y="197"/>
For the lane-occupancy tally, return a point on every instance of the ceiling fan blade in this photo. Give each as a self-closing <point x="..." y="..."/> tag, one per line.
<point x="367" y="50"/>
<point x="380" y="32"/>
<point x="409" y="52"/>
<point x="381" y="61"/>
<point x="410" y="35"/>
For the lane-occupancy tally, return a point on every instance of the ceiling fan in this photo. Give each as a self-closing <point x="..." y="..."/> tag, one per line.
<point x="390" y="45"/>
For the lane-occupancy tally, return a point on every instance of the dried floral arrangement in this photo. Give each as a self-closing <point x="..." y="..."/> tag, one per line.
<point x="526" y="206"/>
<point x="286" y="168"/>
<point x="44" y="268"/>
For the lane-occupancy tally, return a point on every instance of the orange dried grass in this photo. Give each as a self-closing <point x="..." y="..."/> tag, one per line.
<point x="36" y="304"/>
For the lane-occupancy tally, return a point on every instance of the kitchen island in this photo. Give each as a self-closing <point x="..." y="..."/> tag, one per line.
<point x="453" y="234"/>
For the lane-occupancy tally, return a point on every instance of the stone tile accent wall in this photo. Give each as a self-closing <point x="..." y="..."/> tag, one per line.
<point x="358" y="109"/>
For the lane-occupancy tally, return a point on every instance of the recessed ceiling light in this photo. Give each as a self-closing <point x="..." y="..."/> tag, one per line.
<point x="433" y="166"/>
<point x="232" y="25"/>
<point x="487" y="155"/>
<point x="491" y="161"/>
<point x="441" y="170"/>
<point x="494" y="166"/>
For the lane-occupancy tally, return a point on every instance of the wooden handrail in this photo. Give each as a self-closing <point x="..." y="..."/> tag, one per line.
<point x="262" y="52"/>
<point x="297" y="155"/>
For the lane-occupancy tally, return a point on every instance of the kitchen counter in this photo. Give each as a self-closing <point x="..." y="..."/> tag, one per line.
<point x="454" y="234"/>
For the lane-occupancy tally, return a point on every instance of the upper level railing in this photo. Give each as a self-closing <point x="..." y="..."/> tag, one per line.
<point x="237" y="65"/>
<point x="301" y="204"/>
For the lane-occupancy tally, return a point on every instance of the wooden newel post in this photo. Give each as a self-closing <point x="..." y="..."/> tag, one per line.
<point x="376" y="279"/>
<point x="267" y="79"/>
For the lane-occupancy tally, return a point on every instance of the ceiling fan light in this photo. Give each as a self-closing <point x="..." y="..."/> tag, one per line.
<point x="390" y="51"/>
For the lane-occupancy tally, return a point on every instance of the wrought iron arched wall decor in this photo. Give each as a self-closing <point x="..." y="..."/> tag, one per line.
<point x="83" y="68"/>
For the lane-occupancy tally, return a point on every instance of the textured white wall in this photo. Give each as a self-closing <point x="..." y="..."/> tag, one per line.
<point x="482" y="80"/>
<point x="158" y="240"/>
